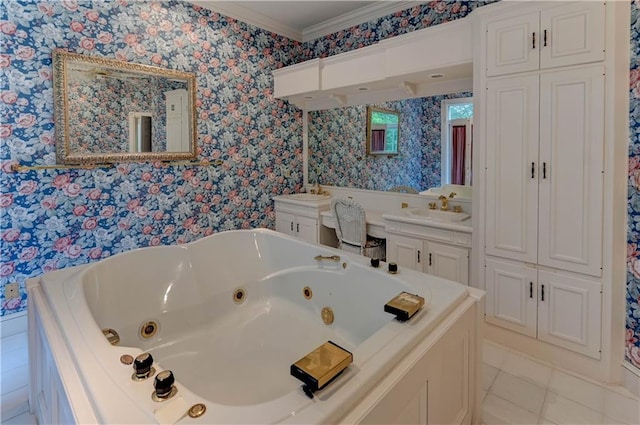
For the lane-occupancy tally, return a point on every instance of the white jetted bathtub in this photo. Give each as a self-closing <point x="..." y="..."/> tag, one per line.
<point x="228" y="315"/>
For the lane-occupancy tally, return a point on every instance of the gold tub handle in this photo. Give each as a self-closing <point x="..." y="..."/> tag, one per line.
<point x="112" y="336"/>
<point x="335" y="258"/>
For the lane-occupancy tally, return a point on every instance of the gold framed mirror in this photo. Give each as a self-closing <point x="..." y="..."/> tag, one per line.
<point x="107" y="110"/>
<point x="383" y="131"/>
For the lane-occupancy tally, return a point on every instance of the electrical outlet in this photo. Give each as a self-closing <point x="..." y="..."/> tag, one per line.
<point x="11" y="291"/>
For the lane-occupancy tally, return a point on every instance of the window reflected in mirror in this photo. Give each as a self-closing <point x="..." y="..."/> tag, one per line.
<point x="457" y="141"/>
<point x="383" y="131"/>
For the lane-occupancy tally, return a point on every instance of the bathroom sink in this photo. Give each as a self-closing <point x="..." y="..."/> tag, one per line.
<point x="308" y="197"/>
<point x="437" y="215"/>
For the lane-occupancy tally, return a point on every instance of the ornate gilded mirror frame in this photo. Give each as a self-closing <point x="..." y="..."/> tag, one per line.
<point x="383" y="131"/>
<point x="62" y="60"/>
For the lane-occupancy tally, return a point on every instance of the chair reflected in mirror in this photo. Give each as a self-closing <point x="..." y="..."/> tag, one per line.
<point x="351" y="230"/>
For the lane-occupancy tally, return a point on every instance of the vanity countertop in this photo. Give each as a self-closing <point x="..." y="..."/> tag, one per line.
<point x="304" y="199"/>
<point x="402" y="216"/>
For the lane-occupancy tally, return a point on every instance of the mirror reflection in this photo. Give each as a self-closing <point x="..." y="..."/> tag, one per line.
<point x="430" y="130"/>
<point x="111" y="111"/>
<point x="383" y="127"/>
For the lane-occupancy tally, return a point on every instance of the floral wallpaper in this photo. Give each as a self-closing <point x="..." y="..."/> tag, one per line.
<point x="632" y="346"/>
<point x="52" y="219"/>
<point x="337" y="146"/>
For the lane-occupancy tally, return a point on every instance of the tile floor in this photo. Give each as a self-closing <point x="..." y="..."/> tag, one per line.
<point x="515" y="390"/>
<point x="520" y="390"/>
<point x="14" y="380"/>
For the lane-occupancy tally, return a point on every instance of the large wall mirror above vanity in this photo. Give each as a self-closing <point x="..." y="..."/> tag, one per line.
<point x="433" y="149"/>
<point x="112" y="111"/>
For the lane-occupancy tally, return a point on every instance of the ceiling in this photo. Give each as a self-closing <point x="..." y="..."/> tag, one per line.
<point x="305" y="20"/>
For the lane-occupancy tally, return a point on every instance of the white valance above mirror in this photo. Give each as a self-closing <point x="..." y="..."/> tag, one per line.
<point x="431" y="61"/>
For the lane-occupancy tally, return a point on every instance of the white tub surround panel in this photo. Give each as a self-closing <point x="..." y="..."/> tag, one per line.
<point x="246" y="348"/>
<point x="388" y="70"/>
<point x="549" y="126"/>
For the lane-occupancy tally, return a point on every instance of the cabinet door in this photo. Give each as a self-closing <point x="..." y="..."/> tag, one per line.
<point x="285" y="223"/>
<point x="571" y="181"/>
<point x="307" y="229"/>
<point x="512" y="167"/>
<point x="448" y="262"/>
<point x="572" y="34"/>
<point x="569" y="313"/>
<point x="406" y="252"/>
<point x="511" y="296"/>
<point x="513" y="45"/>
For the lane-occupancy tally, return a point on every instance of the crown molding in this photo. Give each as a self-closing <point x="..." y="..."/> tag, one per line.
<point x="357" y="17"/>
<point x="237" y="11"/>
<point x="234" y="9"/>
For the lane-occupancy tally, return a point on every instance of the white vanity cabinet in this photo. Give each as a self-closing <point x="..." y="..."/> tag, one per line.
<point x="559" y="36"/>
<point x="432" y="250"/>
<point x="557" y="308"/>
<point x="300" y="219"/>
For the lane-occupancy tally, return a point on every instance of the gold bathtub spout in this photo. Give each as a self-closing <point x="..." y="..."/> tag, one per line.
<point x="335" y="258"/>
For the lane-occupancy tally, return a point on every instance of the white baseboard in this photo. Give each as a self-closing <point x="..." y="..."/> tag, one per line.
<point x="13" y="324"/>
<point x="631" y="378"/>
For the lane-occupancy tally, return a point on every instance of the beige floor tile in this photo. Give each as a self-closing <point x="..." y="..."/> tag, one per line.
<point x="489" y="374"/>
<point x="561" y="410"/>
<point x="518" y="391"/>
<point x="528" y="369"/>
<point x="493" y="354"/>
<point x="23" y="419"/>
<point x="586" y="393"/>
<point x="496" y="410"/>
<point x="621" y="405"/>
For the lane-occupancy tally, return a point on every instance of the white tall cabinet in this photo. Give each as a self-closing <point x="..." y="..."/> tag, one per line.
<point x="542" y="136"/>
